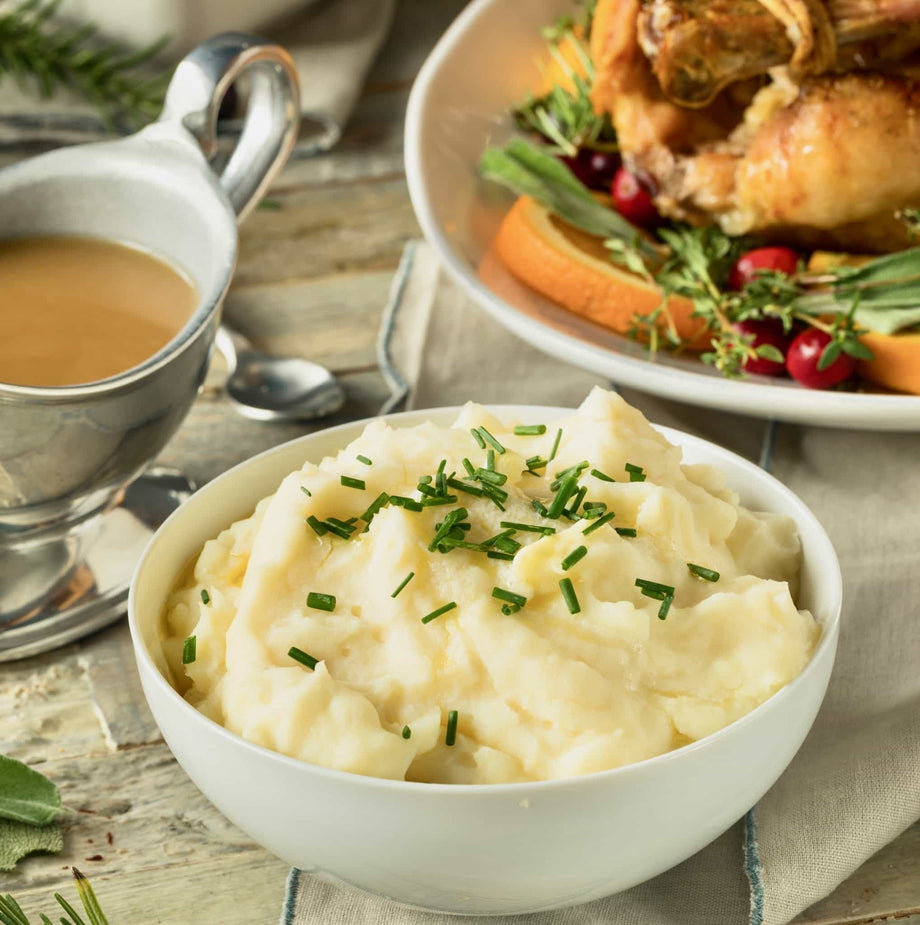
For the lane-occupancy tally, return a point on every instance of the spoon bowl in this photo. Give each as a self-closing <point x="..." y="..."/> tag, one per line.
<point x="269" y="388"/>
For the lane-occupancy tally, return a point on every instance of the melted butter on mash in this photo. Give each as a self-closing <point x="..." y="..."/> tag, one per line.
<point x="540" y="692"/>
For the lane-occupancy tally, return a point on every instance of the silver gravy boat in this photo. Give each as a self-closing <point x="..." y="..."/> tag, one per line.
<point x="69" y="454"/>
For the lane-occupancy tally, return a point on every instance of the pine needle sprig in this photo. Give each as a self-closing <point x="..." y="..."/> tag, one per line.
<point x="44" y="55"/>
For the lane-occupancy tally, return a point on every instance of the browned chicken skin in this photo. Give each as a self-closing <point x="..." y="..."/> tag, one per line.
<point x="698" y="47"/>
<point x="815" y="160"/>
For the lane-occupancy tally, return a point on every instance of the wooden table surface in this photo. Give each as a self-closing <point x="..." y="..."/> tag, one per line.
<point x="312" y="279"/>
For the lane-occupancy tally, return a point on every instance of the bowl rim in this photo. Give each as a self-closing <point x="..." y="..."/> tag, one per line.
<point x="856" y="410"/>
<point x="830" y="625"/>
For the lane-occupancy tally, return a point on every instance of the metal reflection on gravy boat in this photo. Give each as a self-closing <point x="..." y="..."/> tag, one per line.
<point x="68" y="453"/>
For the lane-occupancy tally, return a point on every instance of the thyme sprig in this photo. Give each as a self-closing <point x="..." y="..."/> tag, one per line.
<point x="43" y="54"/>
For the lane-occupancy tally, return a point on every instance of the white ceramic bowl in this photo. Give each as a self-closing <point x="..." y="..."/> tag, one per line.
<point x="501" y="848"/>
<point x="460" y="103"/>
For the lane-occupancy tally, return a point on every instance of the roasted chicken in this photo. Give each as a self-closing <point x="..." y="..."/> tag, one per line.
<point x="821" y="152"/>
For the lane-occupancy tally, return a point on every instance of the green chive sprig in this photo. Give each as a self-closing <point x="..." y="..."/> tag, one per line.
<point x="453" y="718"/>
<point x="300" y="656"/>
<point x="517" y="601"/>
<point x="439" y="612"/>
<point x="625" y="531"/>
<point x="657" y="592"/>
<point x="205" y="597"/>
<point x="707" y="574"/>
<point x="529" y="430"/>
<point x="527" y="528"/>
<point x="636" y="474"/>
<point x="349" y="482"/>
<point x="306" y="491"/>
<point x="575" y="556"/>
<point x="597" y="524"/>
<point x="569" y="596"/>
<point x="365" y="460"/>
<point x="406" y="732"/>
<point x="318" y="601"/>
<point x="189" y="650"/>
<point x="403" y="584"/>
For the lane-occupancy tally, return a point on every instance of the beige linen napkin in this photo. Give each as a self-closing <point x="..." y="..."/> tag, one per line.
<point x="855" y="785"/>
<point x="333" y="45"/>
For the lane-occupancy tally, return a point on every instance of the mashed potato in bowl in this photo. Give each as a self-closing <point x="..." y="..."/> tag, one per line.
<point x="476" y="605"/>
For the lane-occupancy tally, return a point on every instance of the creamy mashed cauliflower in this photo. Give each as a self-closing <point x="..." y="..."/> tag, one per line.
<point x="656" y="654"/>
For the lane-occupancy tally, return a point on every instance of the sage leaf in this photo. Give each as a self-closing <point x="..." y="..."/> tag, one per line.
<point x="26" y="795"/>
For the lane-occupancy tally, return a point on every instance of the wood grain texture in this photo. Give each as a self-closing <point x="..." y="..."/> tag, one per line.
<point x="313" y="278"/>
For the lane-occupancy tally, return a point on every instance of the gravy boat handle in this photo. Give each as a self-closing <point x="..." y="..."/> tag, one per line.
<point x="272" y="116"/>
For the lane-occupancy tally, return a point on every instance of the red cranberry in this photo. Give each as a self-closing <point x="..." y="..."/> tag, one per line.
<point x="595" y="169"/>
<point x="765" y="331"/>
<point x="632" y="200"/>
<point x="803" y="357"/>
<point x="746" y="266"/>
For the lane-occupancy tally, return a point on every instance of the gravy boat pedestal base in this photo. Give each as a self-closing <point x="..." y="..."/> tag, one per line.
<point x="56" y="590"/>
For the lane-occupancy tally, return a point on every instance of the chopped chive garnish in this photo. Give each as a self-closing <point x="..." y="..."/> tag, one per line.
<point x="707" y="574"/>
<point x="539" y="507"/>
<point x="338" y="527"/>
<point x="365" y="460"/>
<point x="597" y="524"/>
<point x="445" y="526"/>
<point x="317" y="526"/>
<point x="491" y="440"/>
<point x="624" y="531"/>
<point x="529" y="528"/>
<point x="506" y="544"/>
<point x="470" y="468"/>
<point x="529" y="430"/>
<point x="321" y="601"/>
<point x="375" y="506"/>
<point x="665" y="607"/>
<point x="576" y="555"/>
<point x="434" y="502"/>
<point x="425" y="488"/>
<point x="441" y="483"/>
<point x="410" y="504"/>
<point x="566" y="490"/>
<point x="403" y="584"/>
<point x="349" y="482"/>
<point x="509" y="596"/>
<point x="635" y="473"/>
<point x="439" y="612"/>
<point x="491" y="540"/>
<point x="205" y="597"/>
<point x="442" y="465"/>
<point x="462" y="486"/>
<point x="552" y="454"/>
<point x="478" y="437"/>
<point x="300" y="656"/>
<point x="594" y="509"/>
<point x="407" y="732"/>
<point x="579" y="497"/>
<point x="492" y="477"/>
<point x="493" y="554"/>
<point x="569" y="596"/>
<point x="654" y="589"/>
<point x="189" y="650"/>
<point x="536" y="462"/>
<point x="490" y="460"/>
<point x="451" y="735"/>
<point x="509" y="609"/>
<point x="450" y="542"/>
<point x="600" y="475"/>
<point x="306" y="491"/>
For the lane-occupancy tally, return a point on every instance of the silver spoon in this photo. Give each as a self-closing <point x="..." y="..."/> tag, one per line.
<point x="269" y="388"/>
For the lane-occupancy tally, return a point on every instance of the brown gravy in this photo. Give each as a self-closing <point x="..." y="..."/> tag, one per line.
<point x="76" y="310"/>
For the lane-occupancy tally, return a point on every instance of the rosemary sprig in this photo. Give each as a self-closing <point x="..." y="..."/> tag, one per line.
<point x="11" y="912"/>
<point x="42" y="54"/>
<point x="565" y="116"/>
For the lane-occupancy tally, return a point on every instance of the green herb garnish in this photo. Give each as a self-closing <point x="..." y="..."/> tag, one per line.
<point x="375" y="506"/>
<point x="189" y="650"/>
<point x="439" y="612"/>
<point x="205" y="597"/>
<point x="624" y="531"/>
<point x="529" y="430"/>
<point x="555" y="448"/>
<point x="364" y="459"/>
<point x="509" y="596"/>
<point x="406" y="732"/>
<point x="488" y="438"/>
<point x="569" y="596"/>
<point x="349" y="482"/>
<point x="300" y="656"/>
<point x="635" y="473"/>
<point x="403" y="584"/>
<point x="600" y="475"/>
<point x="317" y="526"/>
<point x="527" y="528"/>
<point x="707" y="574"/>
<point x="306" y="491"/>
<point x="575" y="556"/>
<point x="597" y="524"/>
<point x="452" y="718"/>
<point x="318" y="601"/>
